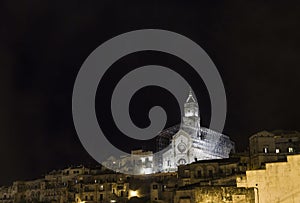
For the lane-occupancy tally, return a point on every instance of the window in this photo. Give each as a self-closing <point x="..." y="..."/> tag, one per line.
<point x="181" y="161"/>
<point x="266" y="150"/>
<point x="169" y="163"/>
<point x="290" y="150"/>
<point x="101" y="196"/>
<point x="210" y="173"/>
<point x="186" y="173"/>
<point x="277" y="151"/>
<point x="154" y="187"/>
<point x="199" y="173"/>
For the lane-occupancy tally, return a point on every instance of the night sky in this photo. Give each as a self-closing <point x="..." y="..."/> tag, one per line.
<point x="254" y="44"/>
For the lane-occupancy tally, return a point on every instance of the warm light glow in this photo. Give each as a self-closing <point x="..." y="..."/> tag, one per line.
<point x="133" y="193"/>
<point x="283" y="174"/>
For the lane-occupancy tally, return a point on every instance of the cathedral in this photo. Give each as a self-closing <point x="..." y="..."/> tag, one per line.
<point x="179" y="145"/>
<point x="193" y="142"/>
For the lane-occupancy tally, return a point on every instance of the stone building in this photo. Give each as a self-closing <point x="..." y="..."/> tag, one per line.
<point x="211" y="172"/>
<point x="177" y="145"/>
<point x="6" y="195"/>
<point x="102" y="192"/>
<point x="72" y="185"/>
<point x="195" y="193"/>
<point x="214" y="194"/>
<point x="272" y="146"/>
<point x="193" y="142"/>
<point x="205" y="181"/>
<point x="138" y="162"/>
<point x="40" y="190"/>
<point x="278" y="182"/>
<point x="164" y="190"/>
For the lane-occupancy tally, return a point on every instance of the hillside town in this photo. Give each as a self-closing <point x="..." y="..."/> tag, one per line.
<point x="194" y="165"/>
<point x="268" y="172"/>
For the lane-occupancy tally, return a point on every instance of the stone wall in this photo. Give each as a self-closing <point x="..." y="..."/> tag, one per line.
<point x="215" y="194"/>
<point x="279" y="182"/>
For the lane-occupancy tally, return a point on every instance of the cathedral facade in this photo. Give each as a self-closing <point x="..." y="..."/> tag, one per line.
<point x="178" y="145"/>
<point x="193" y="142"/>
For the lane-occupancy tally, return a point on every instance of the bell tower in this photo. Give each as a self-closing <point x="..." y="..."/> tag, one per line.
<point x="191" y="112"/>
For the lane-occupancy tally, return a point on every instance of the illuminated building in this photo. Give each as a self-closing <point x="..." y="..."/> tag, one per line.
<point x="272" y="146"/>
<point x="213" y="194"/>
<point x="138" y="162"/>
<point x="193" y="142"/>
<point x="278" y="182"/>
<point x="196" y="193"/>
<point x="178" y="145"/>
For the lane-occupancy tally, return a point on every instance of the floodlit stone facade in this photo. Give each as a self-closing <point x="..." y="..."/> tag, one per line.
<point x="214" y="194"/>
<point x="138" y="162"/>
<point x="193" y="142"/>
<point x="278" y="182"/>
<point x="178" y="145"/>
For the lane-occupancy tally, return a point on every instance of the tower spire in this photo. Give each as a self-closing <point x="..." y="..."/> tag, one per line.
<point x="190" y="97"/>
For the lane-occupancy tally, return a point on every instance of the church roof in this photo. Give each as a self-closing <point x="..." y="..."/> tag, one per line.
<point x="169" y="132"/>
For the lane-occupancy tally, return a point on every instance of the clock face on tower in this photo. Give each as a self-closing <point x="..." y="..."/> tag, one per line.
<point x="181" y="147"/>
